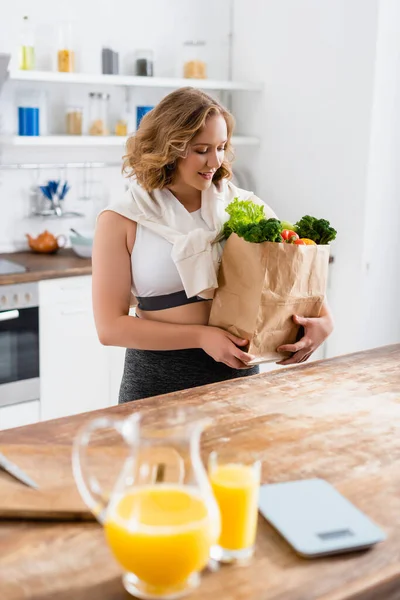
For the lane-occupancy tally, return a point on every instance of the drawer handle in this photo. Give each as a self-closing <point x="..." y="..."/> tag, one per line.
<point x="8" y="315"/>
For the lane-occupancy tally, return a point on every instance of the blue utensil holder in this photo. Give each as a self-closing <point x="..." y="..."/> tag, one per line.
<point x="140" y="112"/>
<point x="28" y="120"/>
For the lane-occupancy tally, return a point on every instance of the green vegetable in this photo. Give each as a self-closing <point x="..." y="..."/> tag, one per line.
<point x="287" y="225"/>
<point x="242" y="212"/>
<point x="266" y="230"/>
<point x="318" y="230"/>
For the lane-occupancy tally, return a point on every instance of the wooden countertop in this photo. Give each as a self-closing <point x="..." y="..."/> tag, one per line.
<point x="337" y="419"/>
<point x="65" y="263"/>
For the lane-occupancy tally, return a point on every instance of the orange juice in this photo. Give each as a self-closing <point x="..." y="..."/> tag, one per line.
<point x="161" y="533"/>
<point x="235" y="488"/>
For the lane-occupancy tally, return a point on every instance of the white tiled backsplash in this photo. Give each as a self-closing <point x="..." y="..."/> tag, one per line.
<point x="102" y="186"/>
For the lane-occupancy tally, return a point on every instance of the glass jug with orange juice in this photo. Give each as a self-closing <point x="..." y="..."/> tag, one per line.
<point x="161" y="519"/>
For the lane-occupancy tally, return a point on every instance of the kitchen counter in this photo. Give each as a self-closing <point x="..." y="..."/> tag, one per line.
<point x="337" y="419"/>
<point x="65" y="263"/>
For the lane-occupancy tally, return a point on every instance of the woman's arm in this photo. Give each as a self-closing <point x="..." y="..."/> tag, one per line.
<point x="111" y="300"/>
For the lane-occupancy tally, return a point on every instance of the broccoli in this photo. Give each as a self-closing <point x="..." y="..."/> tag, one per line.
<point x="318" y="230"/>
<point x="266" y="230"/>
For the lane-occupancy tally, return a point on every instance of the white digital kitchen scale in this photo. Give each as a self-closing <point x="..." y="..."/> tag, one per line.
<point x="315" y="519"/>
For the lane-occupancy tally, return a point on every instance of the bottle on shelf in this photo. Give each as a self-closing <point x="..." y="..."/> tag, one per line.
<point x="98" y="113"/>
<point x="27" y="61"/>
<point x="66" y="54"/>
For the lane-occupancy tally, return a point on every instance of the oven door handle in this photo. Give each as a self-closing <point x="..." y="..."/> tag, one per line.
<point x="8" y="315"/>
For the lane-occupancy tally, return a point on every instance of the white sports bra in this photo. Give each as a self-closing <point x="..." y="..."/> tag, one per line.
<point x="153" y="271"/>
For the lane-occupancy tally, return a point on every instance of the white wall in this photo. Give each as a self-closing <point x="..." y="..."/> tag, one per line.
<point x="381" y="286"/>
<point x="126" y="25"/>
<point x="317" y="61"/>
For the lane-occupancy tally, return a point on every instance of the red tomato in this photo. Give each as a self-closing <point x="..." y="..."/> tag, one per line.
<point x="289" y="236"/>
<point x="300" y="242"/>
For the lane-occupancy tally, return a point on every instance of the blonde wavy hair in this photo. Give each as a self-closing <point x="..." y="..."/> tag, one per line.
<point x="164" y="134"/>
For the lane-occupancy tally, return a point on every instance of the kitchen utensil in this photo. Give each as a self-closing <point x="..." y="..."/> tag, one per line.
<point x="46" y="242"/>
<point x="56" y="205"/>
<point x="76" y="232"/>
<point x="55" y="192"/>
<point x="46" y="192"/>
<point x="64" y="191"/>
<point x="16" y="472"/>
<point x="57" y="498"/>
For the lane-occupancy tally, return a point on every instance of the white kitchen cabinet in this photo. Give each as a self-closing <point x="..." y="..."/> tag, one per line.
<point x="74" y="366"/>
<point x="17" y="415"/>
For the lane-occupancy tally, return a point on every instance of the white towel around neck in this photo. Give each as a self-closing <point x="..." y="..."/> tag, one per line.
<point x="195" y="252"/>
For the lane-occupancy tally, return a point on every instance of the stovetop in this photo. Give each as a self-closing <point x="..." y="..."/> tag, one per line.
<point x="7" y="267"/>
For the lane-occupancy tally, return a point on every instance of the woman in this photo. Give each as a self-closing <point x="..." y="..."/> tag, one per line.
<point x="158" y="244"/>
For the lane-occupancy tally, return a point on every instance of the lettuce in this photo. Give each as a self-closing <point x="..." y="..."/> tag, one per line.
<point x="242" y="212"/>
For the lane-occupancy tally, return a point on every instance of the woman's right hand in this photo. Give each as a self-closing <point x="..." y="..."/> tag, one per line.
<point x="222" y="346"/>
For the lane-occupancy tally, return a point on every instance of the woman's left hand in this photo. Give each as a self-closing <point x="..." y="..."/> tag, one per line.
<point x="316" y="330"/>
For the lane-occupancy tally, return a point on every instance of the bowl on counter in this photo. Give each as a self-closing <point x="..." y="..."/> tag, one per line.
<point x="82" y="243"/>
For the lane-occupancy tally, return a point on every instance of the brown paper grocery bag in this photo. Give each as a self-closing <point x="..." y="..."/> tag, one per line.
<point x="261" y="287"/>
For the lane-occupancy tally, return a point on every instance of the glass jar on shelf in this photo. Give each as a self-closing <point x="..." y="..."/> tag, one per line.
<point x="121" y="127"/>
<point x="74" y="118"/>
<point x="66" y="54"/>
<point x="144" y="63"/>
<point x="27" y="46"/>
<point x="109" y="61"/>
<point x="28" y="104"/>
<point x="98" y="113"/>
<point x="194" y="63"/>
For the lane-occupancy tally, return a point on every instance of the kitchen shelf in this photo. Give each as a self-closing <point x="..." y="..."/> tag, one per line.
<point x="94" y="141"/>
<point x="131" y="81"/>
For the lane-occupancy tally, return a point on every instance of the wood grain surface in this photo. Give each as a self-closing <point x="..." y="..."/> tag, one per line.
<point x="337" y="419"/>
<point x="65" y="263"/>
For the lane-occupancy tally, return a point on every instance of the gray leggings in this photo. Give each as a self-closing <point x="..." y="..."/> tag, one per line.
<point x="150" y="373"/>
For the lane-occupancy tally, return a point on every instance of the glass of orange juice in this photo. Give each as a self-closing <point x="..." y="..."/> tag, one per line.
<point x="235" y="484"/>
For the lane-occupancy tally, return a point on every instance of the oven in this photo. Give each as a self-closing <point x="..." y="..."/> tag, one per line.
<point x="19" y="343"/>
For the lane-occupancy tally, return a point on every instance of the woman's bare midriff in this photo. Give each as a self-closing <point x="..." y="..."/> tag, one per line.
<point x="189" y="314"/>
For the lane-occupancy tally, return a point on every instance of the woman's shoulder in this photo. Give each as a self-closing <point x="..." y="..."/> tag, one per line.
<point x="114" y="218"/>
<point x="112" y="227"/>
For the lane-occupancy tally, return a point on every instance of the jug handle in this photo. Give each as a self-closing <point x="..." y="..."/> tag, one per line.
<point x="88" y="485"/>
